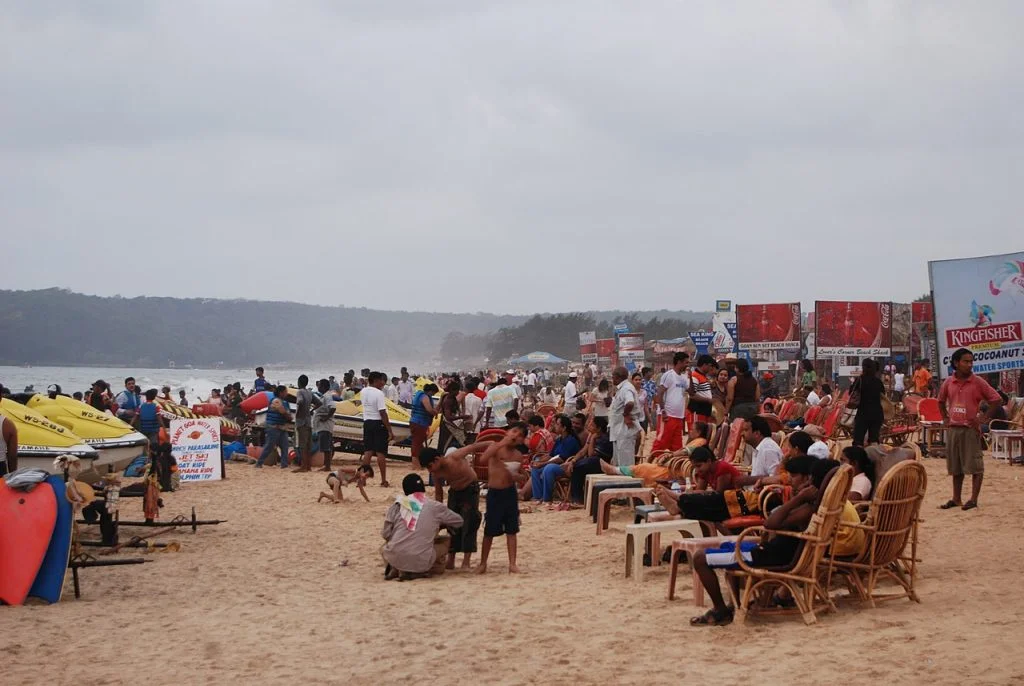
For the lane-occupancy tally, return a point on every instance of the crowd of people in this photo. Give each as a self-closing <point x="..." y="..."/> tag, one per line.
<point x="545" y="432"/>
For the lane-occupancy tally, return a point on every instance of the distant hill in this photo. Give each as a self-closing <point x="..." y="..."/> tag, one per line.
<point x="58" y="327"/>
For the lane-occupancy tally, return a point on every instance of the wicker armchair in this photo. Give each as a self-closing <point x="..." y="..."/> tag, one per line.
<point x="756" y="584"/>
<point x="890" y="526"/>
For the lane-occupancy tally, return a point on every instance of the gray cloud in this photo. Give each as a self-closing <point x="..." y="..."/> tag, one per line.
<point x="508" y="157"/>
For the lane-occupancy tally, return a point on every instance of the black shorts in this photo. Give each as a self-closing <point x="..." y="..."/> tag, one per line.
<point x="708" y="507"/>
<point x="502" y="516"/>
<point x="466" y="504"/>
<point x="375" y="436"/>
<point x="325" y="441"/>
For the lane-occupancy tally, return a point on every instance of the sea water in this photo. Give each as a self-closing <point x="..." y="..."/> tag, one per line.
<point x="197" y="383"/>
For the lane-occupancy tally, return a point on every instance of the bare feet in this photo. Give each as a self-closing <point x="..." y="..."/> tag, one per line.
<point x="385" y="484"/>
<point x="325" y="469"/>
<point x="480" y="569"/>
<point x="300" y="469"/>
<point x="513" y="569"/>
<point x="465" y="565"/>
<point x="326" y="495"/>
<point x="450" y="564"/>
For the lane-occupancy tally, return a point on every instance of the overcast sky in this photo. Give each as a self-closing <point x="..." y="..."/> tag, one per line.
<point x="507" y="157"/>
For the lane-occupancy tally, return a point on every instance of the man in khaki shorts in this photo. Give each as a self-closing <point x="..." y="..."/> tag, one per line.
<point x="959" y="400"/>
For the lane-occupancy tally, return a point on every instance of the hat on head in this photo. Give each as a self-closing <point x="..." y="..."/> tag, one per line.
<point x="53" y="388"/>
<point x="814" y="431"/>
<point x="573" y="375"/>
<point x="510" y="371"/>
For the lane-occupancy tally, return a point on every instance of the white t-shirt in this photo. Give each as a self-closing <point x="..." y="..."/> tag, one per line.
<point x="767" y="458"/>
<point x="597" y="399"/>
<point x="472" y="405"/>
<point x="862" y="485"/>
<point x="898" y="382"/>
<point x="570" y="395"/>
<point x="501" y="399"/>
<point x="373" y="402"/>
<point x="675" y="393"/>
<point x="531" y="380"/>
<point x="819" y="449"/>
<point x="812" y="399"/>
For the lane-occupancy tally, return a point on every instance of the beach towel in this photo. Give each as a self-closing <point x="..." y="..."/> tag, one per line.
<point x="409" y="507"/>
<point x="26" y="478"/>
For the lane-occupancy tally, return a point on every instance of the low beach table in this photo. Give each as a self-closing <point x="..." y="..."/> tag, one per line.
<point x="649" y="513"/>
<point x="691" y="546"/>
<point x="598" y="487"/>
<point x="592" y="479"/>
<point x="639" y="535"/>
<point x="605" y="498"/>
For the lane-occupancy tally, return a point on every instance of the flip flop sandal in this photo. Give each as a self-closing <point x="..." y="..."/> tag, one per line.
<point x="712" y="618"/>
<point x="949" y="505"/>
<point x="970" y="505"/>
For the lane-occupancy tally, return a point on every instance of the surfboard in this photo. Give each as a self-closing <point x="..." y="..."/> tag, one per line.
<point x="49" y="583"/>
<point x="26" y="526"/>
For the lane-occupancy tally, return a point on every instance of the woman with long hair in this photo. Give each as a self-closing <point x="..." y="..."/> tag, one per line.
<point x="863" y="472"/>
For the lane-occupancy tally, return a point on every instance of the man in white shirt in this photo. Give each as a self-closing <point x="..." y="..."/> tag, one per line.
<point x="472" y="407"/>
<point x="622" y="425"/>
<point x="570" y="394"/>
<point x="671" y="398"/>
<point x="531" y="384"/>
<point x="405" y="389"/>
<point x="391" y="390"/>
<point x="377" y="433"/>
<point x="767" y="453"/>
<point x="898" y="384"/>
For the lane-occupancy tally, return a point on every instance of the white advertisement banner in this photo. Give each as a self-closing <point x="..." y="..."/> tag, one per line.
<point x="979" y="305"/>
<point x="195" y="445"/>
<point x="588" y="338"/>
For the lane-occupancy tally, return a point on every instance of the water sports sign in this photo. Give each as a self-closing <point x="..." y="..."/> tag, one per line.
<point x="195" y="444"/>
<point x="979" y="305"/>
<point x="588" y="346"/>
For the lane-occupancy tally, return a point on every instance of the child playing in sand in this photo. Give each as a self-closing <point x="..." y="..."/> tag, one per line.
<point x="502" y="515"/>
<point x="343" y="477"/>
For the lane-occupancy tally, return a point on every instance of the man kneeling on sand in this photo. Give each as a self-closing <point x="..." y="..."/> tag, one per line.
<point x="463" y="494"/>
<point x="413" y="548"/>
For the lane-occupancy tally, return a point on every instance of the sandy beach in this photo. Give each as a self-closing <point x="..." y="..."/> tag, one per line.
<point x="289" y="590"/>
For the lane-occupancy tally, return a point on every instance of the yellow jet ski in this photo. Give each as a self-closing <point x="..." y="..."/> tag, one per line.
<point x="117" y="442"/>
<point x="41" y="441"/>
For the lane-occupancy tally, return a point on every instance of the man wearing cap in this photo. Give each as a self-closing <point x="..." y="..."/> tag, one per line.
<point x="570" y="394"/>
<point x="52" y="391"/>
<point x="98" y="398"/>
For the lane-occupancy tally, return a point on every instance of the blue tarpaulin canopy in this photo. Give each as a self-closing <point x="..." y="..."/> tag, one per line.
<point x="538" y="357"/>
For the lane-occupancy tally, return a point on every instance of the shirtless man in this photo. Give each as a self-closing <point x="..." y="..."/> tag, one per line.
<point x="463" y="494"/>
<point x="502" y="516"/>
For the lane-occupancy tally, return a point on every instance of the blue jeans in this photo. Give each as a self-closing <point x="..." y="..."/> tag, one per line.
<point x="543" y="481"/>
<point x="278" y="437"/>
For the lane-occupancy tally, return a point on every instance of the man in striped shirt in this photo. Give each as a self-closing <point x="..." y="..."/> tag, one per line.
<point x="699" y="407"/>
